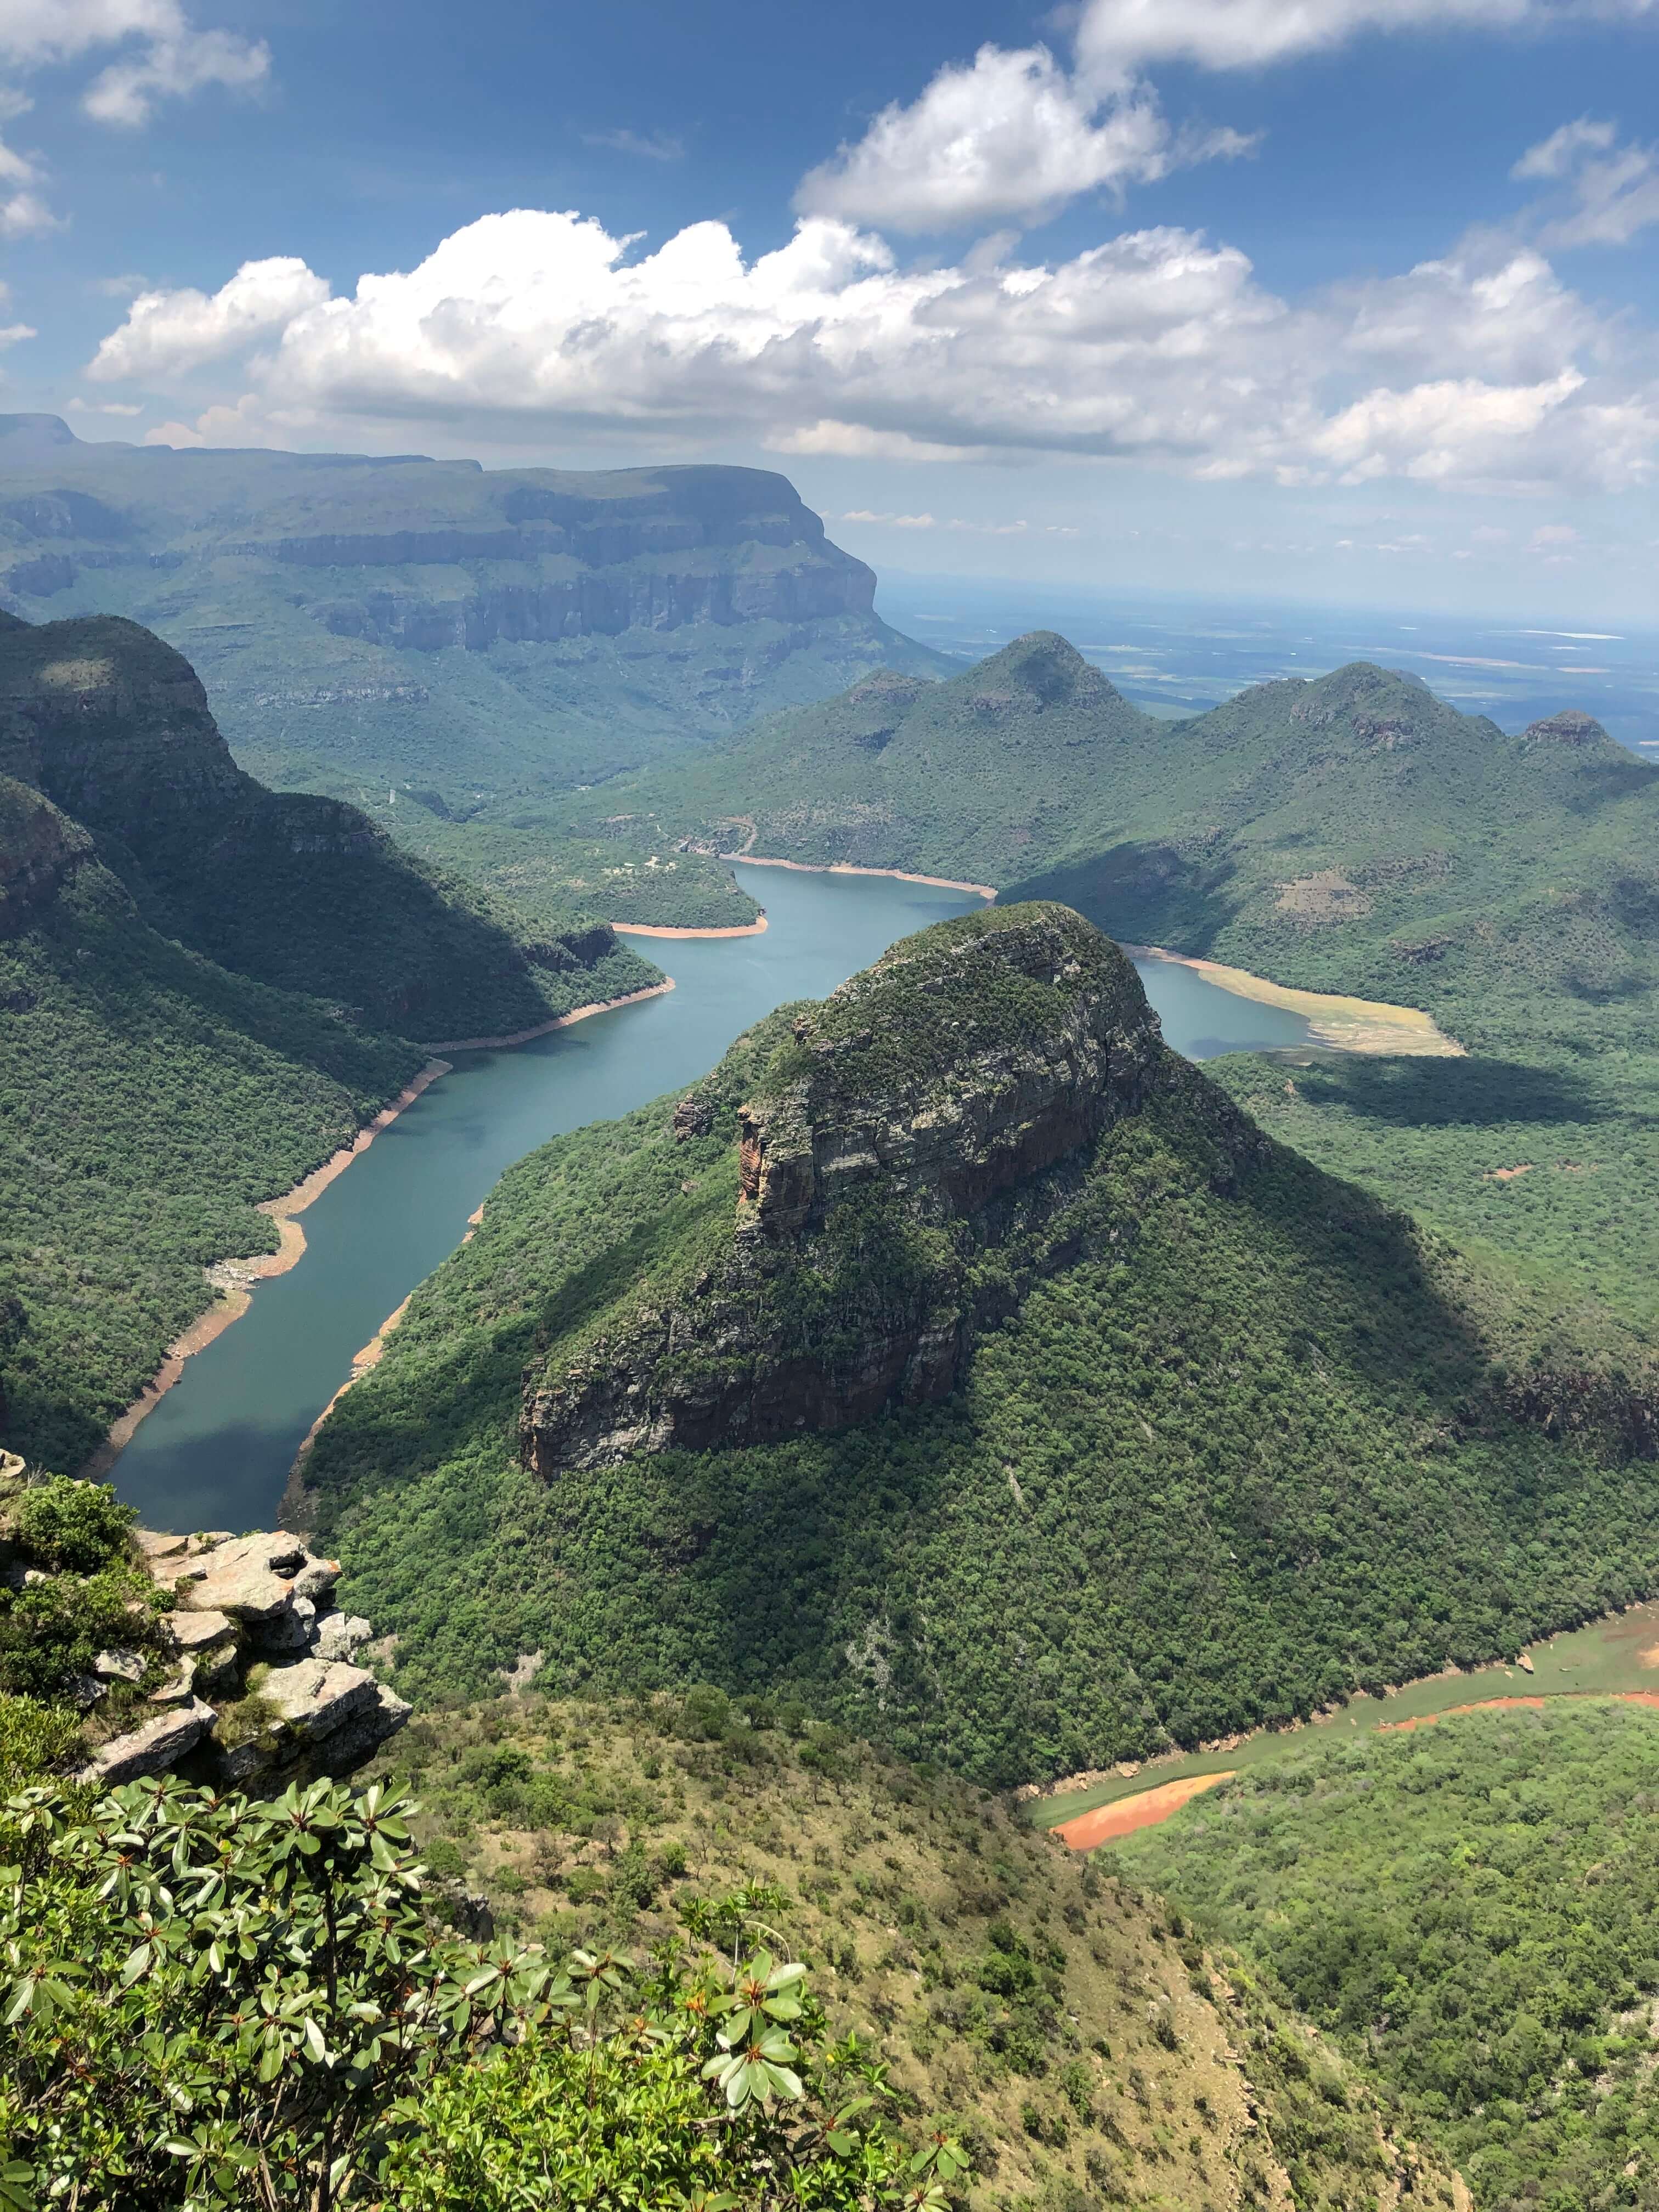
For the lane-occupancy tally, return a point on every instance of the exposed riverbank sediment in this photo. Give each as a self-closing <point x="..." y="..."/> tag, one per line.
<point x="546" y="1029"/>
<point x="234" y="1279"/>
<point x="659" y="929"/>
<point x="1363" y="1025"/>
<point x="846" y="868"/>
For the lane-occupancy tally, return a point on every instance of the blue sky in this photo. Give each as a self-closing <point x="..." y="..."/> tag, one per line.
<point x="1351" y="299"/>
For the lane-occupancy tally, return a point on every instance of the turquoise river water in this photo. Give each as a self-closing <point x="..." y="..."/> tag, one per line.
<point x="216" y="1449"/>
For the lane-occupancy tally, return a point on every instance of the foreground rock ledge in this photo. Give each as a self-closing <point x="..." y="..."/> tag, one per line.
<point x="263" y="1691"/>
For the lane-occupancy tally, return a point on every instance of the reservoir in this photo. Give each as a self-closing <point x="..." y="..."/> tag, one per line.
<point x="215" y="1451"/>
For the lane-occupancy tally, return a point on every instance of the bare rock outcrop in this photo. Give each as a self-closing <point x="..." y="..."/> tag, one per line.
<point x="263" y="1690"/>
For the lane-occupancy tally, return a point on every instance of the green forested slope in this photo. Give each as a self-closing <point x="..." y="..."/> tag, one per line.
<point x="1354" y="835"/>
<point x="205" y="990"/>
<point x="538" y="873"/>
<point x="1249" y="1440"/>
<point x="300" y="892"/>
<point x="1469" y="1909"/>
<point x="148" y="1098"/>
<point x="980" y="776"/>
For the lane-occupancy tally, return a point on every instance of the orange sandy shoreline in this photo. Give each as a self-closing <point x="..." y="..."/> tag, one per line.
<point x="558" y="1022"/>
<point x="652" y="929"/>
<point x="845" y="868"/>
<point x="236" y="1275"/>
<point x="1148" y="1808"/>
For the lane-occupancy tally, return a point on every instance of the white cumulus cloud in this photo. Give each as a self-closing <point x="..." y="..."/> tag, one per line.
<point x="1159" y="346"/>
<point x="166" y="332"/>
<point x="1120" y="38"/>
<point x="1007" y="134"/>
<point x="168" y="56"/>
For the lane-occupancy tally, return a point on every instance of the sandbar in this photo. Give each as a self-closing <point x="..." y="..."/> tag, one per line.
<point x="1368" y="1025"/>
<point x="846" y="868"/>
<point x="656" y="929"/>
<point x="1149" y="1808"/>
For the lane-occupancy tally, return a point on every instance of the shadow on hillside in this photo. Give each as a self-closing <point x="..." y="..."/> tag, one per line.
<point x="1143" y="894"/>
<point x="1437" y="1094"/>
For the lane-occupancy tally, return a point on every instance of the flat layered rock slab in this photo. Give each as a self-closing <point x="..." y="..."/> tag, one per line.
<point x="159" y="1745"/>
<point x="251" y="1577"/>
<point x="315" y="1696"/>
<point x="198" y="1628"/>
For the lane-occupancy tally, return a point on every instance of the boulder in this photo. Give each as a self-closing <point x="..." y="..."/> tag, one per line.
<point x="362" y="1732"/>
<point x="160" y="1744"/>
<point x="315" y="1696"/>
<point x="292" y="1630"/>
<point x="316" y="1578"/>
<point x="179" y="1687"/>
<point x="155" y="1545"/>
<point x="338" y="1635"/>
<point x="119" y="1666"/>
<point x="250" y="1577"/>
<point x="196" y="1628"/>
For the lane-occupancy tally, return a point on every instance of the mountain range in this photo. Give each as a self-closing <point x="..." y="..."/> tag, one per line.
<point x="1352" y="834"/>
<point x="488" y="638"/>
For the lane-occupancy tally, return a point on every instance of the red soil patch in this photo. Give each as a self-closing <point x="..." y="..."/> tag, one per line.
<point x="1149" y="1808"/>
<point x="1508" y="1175"/>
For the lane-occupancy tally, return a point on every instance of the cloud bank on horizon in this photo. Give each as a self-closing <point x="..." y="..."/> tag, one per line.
<point x="1481" y="368"/>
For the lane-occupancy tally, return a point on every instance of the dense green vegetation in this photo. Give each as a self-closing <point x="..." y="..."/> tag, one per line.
<point x="1354" y="835"/>
<point x="1253" y="1442"/>
<point x="147" y="1101"/>
<point x="73" y="1593"/>
<point x="160" y="1071"/>
<point x="982" y="776"/>
<point x="542" y="877"/>
<point x="1469" y="1910"/>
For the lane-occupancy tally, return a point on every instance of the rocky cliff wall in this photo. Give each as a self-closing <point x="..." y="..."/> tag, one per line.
<point x="604" y="604"/>
<point x="917" y="1157"/>
<point x="39" y="850"/>
<point x="113" y="725"/>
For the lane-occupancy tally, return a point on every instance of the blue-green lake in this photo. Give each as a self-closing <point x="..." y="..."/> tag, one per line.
<point x="216" y="1449"/>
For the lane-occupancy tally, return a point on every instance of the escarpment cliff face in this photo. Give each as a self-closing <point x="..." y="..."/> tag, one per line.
<point x="916" y="1157"/>
<point x="111" y="726"/>
<point x="564" y="623"/>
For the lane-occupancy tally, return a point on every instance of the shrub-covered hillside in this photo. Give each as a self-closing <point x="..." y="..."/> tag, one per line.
<point x="199" y="985"/>
<point x="302" y="893"/>
<point x="1230" y="1439"/>
<point x="1352" y="835"/>
<point x="736" y="1962"/>
<point x="1469" y="1910"/>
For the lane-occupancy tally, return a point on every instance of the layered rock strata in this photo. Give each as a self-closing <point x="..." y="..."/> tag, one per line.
<point x="263" y="1691"/>
<point x="916" y="1156"/>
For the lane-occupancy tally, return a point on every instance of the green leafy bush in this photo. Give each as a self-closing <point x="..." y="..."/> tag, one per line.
<point x="209" y="2003"/>
<point x="81" y="1526"/>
